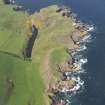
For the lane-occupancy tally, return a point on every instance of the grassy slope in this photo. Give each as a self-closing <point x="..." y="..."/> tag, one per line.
<point x="28" y="84"/>
<point x="26" y="75"/>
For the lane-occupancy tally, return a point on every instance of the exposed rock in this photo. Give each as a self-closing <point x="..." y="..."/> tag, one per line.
<point x="63" y="8"/>
<point x="66" y="14"/>
<point x="18" y="8"/>
<point x="65" y="68"/>
<point x="56" y="101"/>
<point x="62" y="86"/>
<point x="76" y="36"/>
<point x="59" y="103"/>
<point x="68" y="67"/>
<point x="59" y="10"/>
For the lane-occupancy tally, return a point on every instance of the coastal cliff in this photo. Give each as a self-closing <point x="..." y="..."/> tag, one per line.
<point x="36" y="81"/>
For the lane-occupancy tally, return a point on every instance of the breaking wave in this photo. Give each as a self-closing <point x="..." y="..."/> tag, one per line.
<point x="86" y="39"/>
<point x="79" y="61"/>
<point x="78" y="86"/>
<point x="91" y="28"/>
<point x="82" y="48"/>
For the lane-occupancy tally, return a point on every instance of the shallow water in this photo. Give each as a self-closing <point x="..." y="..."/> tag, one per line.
<point x="90" y="11"/>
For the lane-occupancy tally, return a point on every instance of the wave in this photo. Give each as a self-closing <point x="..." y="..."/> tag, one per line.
<point x="83" y="61"/>
<point x="69" y="74"/>
<point x="86" y="39"/>
<point x="79" y="83"/>
<point x="90" y="28"/>
<point x="77" y="87"/>
<point x="82" y="48"/>
<point x="79" y="61"/>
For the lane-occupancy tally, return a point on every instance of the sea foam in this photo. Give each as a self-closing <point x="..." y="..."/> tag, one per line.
<point x="78" y="85"/>
<point x="82" y="48"/>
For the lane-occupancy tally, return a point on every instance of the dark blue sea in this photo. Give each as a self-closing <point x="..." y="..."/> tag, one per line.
<point x="92" y="12"/>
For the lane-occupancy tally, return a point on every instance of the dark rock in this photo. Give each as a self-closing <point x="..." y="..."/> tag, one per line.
<point x="59" y="10"/>
<point x="9" y="1"/>
<point x="64" y="77"/>
<point x="18" y="8"/>
<point x="66" y="14"/>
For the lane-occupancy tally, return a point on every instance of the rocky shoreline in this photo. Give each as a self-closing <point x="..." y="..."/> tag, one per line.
<point x="70" y="83"/>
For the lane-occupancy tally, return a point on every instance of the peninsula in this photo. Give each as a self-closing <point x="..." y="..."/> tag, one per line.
<point x="35" y="52"/>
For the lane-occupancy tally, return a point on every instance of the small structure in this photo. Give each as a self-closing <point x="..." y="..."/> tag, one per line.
<point x="76" y="36"/>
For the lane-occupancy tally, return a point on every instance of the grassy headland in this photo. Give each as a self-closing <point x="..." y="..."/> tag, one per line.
<point x="30" y="79"/>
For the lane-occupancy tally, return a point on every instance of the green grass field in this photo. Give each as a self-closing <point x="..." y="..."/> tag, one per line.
<point x="28" y="77"/>
<point x="28" y="86"/>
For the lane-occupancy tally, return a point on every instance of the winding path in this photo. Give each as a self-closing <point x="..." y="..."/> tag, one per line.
<point x="46" y="73"/>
